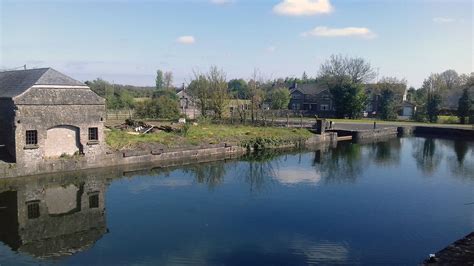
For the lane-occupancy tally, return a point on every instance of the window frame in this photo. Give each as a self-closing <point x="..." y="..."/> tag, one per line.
<point x="33" y="210"/>
<point x="93" y="134"/>
<point x="31" y="140"/>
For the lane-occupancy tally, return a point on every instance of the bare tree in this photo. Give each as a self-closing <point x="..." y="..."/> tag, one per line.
<point x="341" y="68"/>
<point x="256" y="94"/>
<point x="168" y="80"/>
<point x="450" y="79"/>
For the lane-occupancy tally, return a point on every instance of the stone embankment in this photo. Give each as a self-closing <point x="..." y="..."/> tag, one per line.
<point x="225" y="150"/>
<point x="145" y="156"/>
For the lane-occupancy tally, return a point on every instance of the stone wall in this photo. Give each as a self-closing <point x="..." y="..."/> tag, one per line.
<point x="467" y="134"/>
<point x="140" y="157"/>
<point x="374" y="133"/>
<point x="45" y="117"/>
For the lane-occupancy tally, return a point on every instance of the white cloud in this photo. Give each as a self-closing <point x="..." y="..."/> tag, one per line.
<point x="221" y="2"/>
<point x="187" y="39"/>
<point x="443" y="20"/>
<point x="303" y="7"/>
<point x="340" y="32"/>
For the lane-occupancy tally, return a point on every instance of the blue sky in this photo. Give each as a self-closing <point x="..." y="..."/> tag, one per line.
<point x="126" y="41"/>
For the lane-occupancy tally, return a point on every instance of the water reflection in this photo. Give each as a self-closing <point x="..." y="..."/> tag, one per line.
<point x="341" y="164"/>
<point x="211" y="174"/>
<point x="49" y="218"/>
<point x="426" y="155"/>
<point x="266" y="208"/>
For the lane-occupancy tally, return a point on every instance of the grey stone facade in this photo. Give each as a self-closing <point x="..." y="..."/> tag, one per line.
<point x="60" y="111"/>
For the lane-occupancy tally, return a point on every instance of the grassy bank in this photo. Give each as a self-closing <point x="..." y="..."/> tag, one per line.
<point x="210" y="134"/>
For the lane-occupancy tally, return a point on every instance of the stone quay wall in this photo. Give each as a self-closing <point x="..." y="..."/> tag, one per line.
<point x="137" y="157"/>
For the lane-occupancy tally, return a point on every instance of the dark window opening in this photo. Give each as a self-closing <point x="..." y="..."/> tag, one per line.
<point x="94" y="201"/>
<point x="31" y="137"/>
<point x="33" y="210"/>
<point x="93" y="134"/>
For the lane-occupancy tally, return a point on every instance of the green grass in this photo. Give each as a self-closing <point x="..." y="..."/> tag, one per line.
<point x="207" y="134"/>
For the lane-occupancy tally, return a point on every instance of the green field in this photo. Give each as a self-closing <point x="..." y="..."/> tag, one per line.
<point x="207" y="134"/>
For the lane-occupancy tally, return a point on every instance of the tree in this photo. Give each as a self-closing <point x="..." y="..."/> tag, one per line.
<point x="239" y="89"/>
<point x="161" y="107"/>
<point x="450" y="79"/>
<point x="432" y="85"/>
<point x="159" y="80"/>
<point x="339" y="68"/>
<point x="279" y="98"/>
<point x="199" y="89"/>
<point x="388" y="105"/>
<point x="391" y="91"/>
<point x="464" y="106"/>
<point x="349" y="98"/>
<point x="168" y="80"/>
<point x="433" y="106"/>
<point x="256" y="94"/>
<point x="218" y="93"/>
<point x="304" y="77"/>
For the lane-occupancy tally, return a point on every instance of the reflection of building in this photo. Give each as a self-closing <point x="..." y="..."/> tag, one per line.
<point x="52" y="219"/>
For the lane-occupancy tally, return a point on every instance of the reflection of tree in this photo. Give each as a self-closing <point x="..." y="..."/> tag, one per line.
<point x="386" y="152"/>
<point x="458" y="165"/>
<point x="211" y="174"/>
<point x="427" y="159"/>
<point x="460" y="148"/>
<point x="342" y="164"/>
<point x="259" y="168"/>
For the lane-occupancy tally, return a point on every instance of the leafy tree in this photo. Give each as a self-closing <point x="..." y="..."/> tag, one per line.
<point x="161" y="107"/>
<point x="199" y="89"/>
<point x="159" y="80"/>
<point x="238" y="89"/>
<point x="170" y="93"/>
<point x="126" y="100"/>
<point x="349" y="98"/>
<point x="433" y="106"/>
<point x="218" y="93"/>
<point x="167" y="108"/>
<point x="464" y="106"/>
<point x="279" y="98"/>
<point x="388" y="105"/>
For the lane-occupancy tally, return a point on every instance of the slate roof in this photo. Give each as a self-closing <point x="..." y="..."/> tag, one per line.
<point x="13" y="83"/>
<point x="310" y="88"/>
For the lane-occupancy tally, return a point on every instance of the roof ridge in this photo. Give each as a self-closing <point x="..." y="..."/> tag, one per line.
<point x="21" y="70"/>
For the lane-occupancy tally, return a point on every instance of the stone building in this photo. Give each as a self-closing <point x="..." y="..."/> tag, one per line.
<point x="312" y="99"/>
<point x="45" y="114"/>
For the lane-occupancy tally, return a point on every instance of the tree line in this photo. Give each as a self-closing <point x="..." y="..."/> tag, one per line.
<point x="350" y="80"/>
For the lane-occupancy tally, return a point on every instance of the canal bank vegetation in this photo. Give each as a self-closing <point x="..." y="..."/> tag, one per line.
<point x="205" y="134"/>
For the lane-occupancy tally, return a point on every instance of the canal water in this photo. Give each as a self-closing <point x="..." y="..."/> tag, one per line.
<point x="391" y="202"/>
